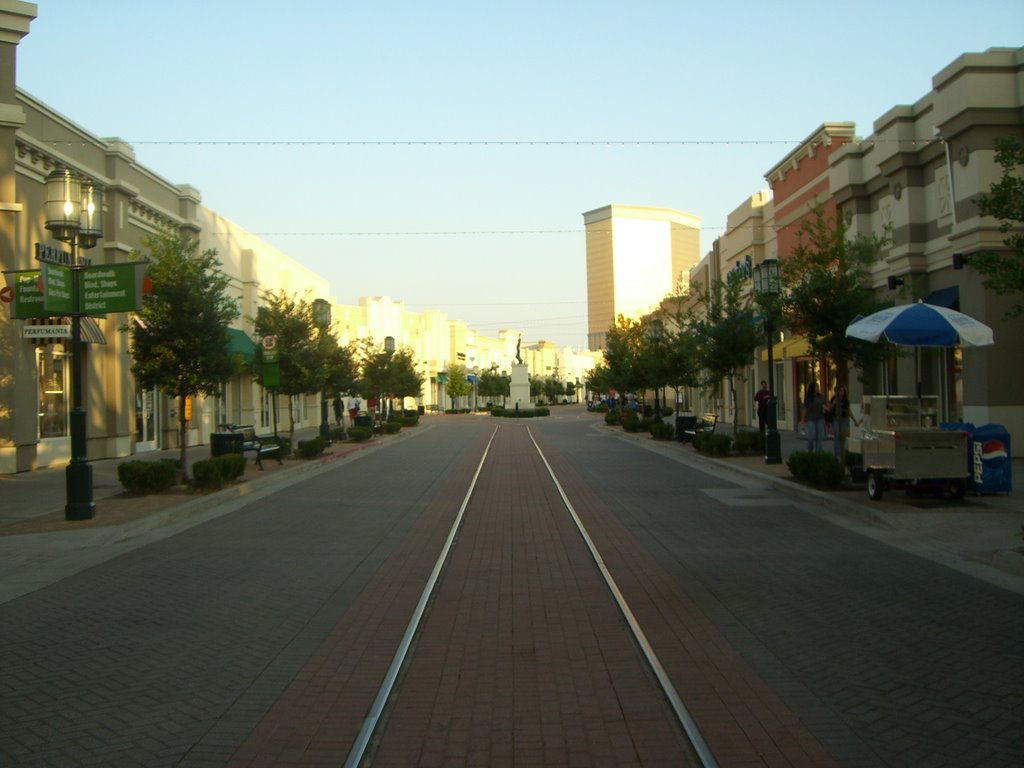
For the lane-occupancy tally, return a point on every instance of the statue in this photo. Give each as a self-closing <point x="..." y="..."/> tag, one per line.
<point x="519" y="359"/>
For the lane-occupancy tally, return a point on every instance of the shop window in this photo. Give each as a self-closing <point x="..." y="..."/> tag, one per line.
<point x="53" y="392"/>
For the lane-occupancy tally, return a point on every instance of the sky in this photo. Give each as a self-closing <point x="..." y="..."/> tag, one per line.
<point x="443" y="153"/>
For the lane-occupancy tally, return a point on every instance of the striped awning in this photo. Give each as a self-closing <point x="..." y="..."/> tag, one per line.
<point x="91" y="333"/>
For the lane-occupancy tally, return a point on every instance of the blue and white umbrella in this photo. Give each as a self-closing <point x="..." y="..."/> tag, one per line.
<point x="921" y="325"/>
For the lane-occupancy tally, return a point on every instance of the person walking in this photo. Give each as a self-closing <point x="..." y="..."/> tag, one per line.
<point x="838" y="410"/>
<point x="337" y="410"/>
<point x="761" y="402"/>
<point x="814" y="416"/>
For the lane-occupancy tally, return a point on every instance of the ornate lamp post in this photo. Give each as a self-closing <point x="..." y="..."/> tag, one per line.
<point x="322" y="320"/>
<point x="74" y="215"/>
<point x="654" y="334"/>
<point x="767" y="284"/>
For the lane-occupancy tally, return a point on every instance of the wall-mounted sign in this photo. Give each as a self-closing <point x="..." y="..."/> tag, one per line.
<point x="46" y="332"/>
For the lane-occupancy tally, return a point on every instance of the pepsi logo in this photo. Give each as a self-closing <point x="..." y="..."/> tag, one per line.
<point x="993" y="449"/>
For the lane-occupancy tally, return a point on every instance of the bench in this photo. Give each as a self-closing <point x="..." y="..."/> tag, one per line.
<point x="253" y="444"/>
<point x="705" y="423"/>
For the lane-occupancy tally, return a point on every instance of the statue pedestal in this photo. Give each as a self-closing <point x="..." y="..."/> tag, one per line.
<point x="519" y="388"/>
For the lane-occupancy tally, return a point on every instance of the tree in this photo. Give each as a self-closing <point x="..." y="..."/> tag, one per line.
<point x="300" y="353"/>
<point x="342" y="369"/>
<point x="623" y="355"/>
<point x="1004" y="271"/>
<point x="681" y="353"/>
<point x="405" y="380"/>
<point x="728" y="335"/>
<point x="457" y="385"/>
<point x="180" y="344"/>
<point x="553" y="389"/>
<point x="827" y="283"/>
<point x="492" y="385"/>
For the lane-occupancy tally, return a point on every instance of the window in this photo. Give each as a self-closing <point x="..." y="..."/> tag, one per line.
<point x="53" y="391"/>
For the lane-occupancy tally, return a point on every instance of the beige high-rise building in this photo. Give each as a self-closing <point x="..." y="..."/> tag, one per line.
<point x="636" y="256"/>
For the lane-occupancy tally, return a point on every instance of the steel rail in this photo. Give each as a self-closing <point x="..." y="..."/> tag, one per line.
<point x="355" y="755"/>
<point x="700" y="746"/>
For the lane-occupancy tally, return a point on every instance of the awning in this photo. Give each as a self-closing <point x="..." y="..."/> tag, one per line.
<point x="945" y="297"/>
<point x="796" y="346"/>
<point x="239" y="343"/>
<point x="91" y="333"/>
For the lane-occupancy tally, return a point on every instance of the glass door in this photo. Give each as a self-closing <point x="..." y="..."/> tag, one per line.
<point x="145" y="420"/>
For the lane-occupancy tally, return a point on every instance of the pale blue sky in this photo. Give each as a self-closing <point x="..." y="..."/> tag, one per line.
<point x="321" y="71"/>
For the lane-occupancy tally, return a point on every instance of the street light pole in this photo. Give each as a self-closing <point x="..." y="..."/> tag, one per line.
<point x="74" y="215"/>
<point x="322" y="320"/>
<point x="655" y="335"/>
<point x="767" y="288"/>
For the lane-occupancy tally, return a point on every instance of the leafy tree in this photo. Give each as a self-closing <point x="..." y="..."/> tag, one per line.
<point x="623" y="355"/>
<point x="300" y="351"/>
<point x="492" y="385"/>
<point x="570" y="390"/>
<point x="342" y="368"/>
<point x="600" y="379"/>
<point x="553" y="389"/>
<point x="681" y="351"/>
<point x="536" y="386"/>
<point x="1004" y="271"/>
<point x="457" y="385"/>
<point x="827" y="283"/>
<point x="181" y="344"/>
<point x="727" y="336"/>
<point x="405" y="380"/>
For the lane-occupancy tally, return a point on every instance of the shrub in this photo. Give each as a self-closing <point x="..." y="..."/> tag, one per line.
<point x="232" y="465"/>
<point x="611" y="418"/>
<point x="522" y="413"/>
<point x="817" y="468"/>
<point x="337" y="434"/>
<point x="749" y="441"/>
<point x="712" y="443"/>
<point x="310" y="449"/>
<point x="392" y="426"/>
<point x="206" y="475"/>
<point x="360" y="434"/>
<point x="411" y="421"/>
<point x="661" y="430"/>
<point x="631" y="422"/>
<point x="142" y="477"/>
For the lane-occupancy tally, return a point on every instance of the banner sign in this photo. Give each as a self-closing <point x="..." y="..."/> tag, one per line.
<point x="27" y="301"/>
<point x="58" y="296"/>
<point x="271" y="375"/>
<point x="112" y="288"/>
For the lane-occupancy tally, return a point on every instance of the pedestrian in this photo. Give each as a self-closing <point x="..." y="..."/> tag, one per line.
<point x="337" y="410"/>
<point x="761" y="403"/>
<point x="838" y="410"/>
<point x="353" y="409"/>
<point x="814" y="416"/>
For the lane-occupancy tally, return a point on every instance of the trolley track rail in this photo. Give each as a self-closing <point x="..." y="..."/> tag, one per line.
<point x="402" y="657"/>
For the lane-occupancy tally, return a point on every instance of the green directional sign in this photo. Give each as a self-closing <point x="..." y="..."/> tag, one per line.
<point x="58" y="293"/>
<point x="28" y="295"/>
<point x="112" y="288"/>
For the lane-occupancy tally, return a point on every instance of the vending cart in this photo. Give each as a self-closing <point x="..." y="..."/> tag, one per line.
<point x="903" y="447"/>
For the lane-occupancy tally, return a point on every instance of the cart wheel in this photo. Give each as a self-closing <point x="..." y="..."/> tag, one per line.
<point x="876" y="483"/>
<point x="957" y="488"/>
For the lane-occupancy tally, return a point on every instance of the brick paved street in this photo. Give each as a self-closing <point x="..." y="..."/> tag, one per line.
<point x="261" y="635"/>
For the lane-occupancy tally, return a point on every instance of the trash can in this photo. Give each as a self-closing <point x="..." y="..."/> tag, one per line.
<point x="225" y="442"/>
<point x="684" y="423"/>
<point x="364" y="421"/>
<point x="991" y="462"/>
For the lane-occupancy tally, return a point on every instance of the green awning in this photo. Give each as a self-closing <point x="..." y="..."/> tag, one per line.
<point x="239" y="343"/>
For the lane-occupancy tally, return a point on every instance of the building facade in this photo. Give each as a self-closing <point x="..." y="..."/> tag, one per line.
<point x="635" y="257"/>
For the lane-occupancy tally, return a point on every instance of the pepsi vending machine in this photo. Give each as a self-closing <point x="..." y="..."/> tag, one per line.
<point x="991" y="463"/>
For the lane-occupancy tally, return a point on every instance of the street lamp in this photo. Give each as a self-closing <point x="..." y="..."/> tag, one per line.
<point x="389" y="350"/>
<point x="655" y="336"/>
<point x="74" y="215"/>
<point x="322" y="320"/>
<point x="767" y="286"/>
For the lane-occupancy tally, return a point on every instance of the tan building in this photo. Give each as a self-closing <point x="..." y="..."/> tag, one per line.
<point x="635" y="257"/>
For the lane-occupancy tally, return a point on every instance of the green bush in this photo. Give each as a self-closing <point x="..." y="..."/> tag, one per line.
<point x="142" y="477"/>
<point x="712" y="443"/>
<point x="232" y="465"/>
<point x="392" y="427"/>
<point x="411" y="421"/>
<point x="631" y="422"/>
<point x="522" y="413"/>
<point x="206" y="475"/>
<point x="749" y="441"/>
<point x="360" y="434"/>
<point x="611" y="418"/>
<point x="337" y="434"/>
<point x="310" y="449"/>
<point x="660" y="430"/>
<point x="817" y="468"/>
